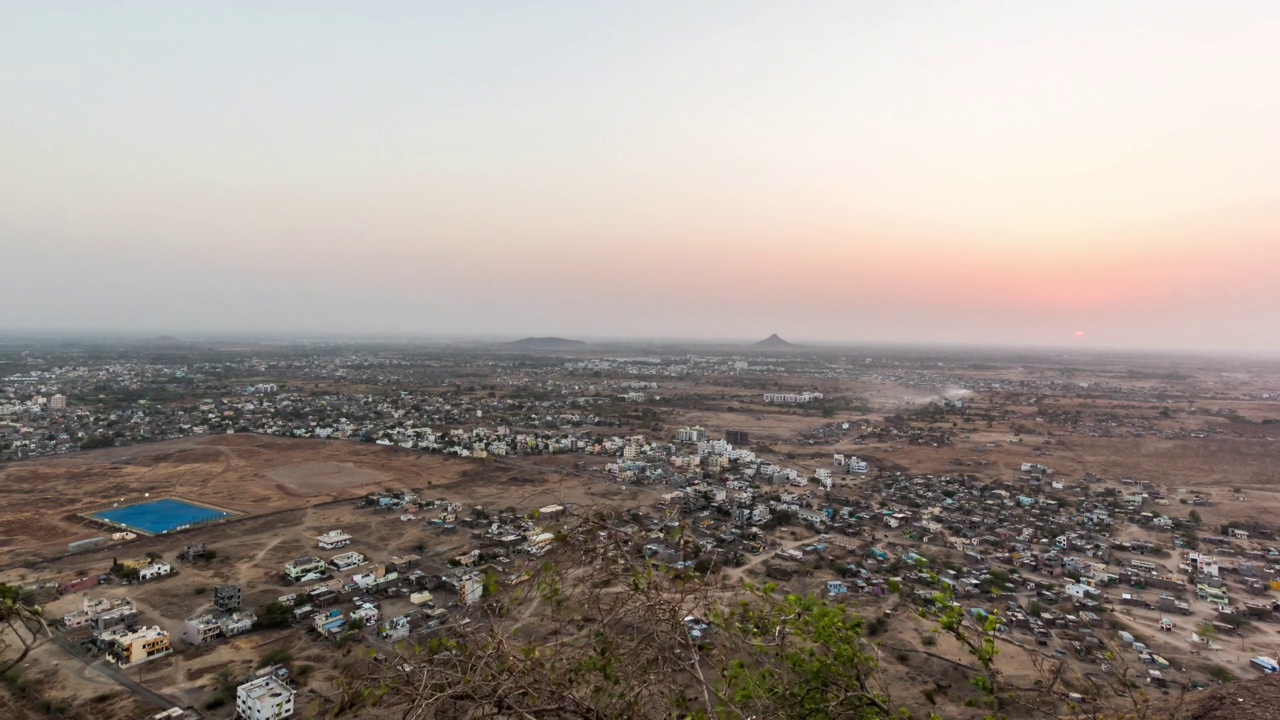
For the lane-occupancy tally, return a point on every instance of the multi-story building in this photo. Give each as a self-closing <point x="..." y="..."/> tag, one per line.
<point x="266" y="698"/>
<point x="226" y="597"/>
<point x="201" y="630"/>
<point x="120" y="616"/>
<point x="58" y="402"/>
<point x="137" y="647"/>
<point x="691" y="434"/>
<point x="470" y="589"/>
<point x="737" y="437"/>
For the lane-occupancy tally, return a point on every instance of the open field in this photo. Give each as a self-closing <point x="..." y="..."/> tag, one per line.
<point x="256" y="475"/>
<point x="249" y="474"/>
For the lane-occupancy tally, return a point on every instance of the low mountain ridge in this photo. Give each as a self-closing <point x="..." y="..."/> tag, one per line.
<point x="547" y="343"/>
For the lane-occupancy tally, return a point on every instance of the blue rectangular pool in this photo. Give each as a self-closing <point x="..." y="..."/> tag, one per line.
<point x="158" y="516"/>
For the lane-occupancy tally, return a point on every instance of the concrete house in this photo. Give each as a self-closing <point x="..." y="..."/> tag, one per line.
<point x="266" y="698"/>
<point x="333" y="540"/>
<point x="226" y="597"/>
<point x="295" y="570"/>
<point x="153" y="571"/>
<point x="135" y="648"/>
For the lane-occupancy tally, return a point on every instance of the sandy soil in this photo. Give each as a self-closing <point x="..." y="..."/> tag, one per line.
<point x="325" y="477"/>
<point x="251" y="474"/>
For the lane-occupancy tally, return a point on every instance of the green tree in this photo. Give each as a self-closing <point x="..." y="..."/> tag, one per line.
<point x="273" y="615"/>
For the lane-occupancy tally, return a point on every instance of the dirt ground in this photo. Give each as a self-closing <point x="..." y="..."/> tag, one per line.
<point x="250" y="474"/>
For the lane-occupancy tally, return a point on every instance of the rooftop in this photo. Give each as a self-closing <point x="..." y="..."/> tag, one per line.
<point x="265" y="687"/>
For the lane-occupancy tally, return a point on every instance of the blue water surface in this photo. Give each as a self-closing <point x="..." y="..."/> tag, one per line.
<point x="160" y="516"/>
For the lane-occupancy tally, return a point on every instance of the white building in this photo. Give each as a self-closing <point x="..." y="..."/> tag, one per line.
<point x="332" y="540"/>
<point x="812" y="517"/>
<point x="792" y="398"/>
<point x="304" y="567"/>
<point x="1205" y="564"/>
<point x="692" y="434"/>
<point x="471" y="589"/>
<point x="267" y="698"/>
<point x="346" y="561"/>
<point x="154" y="570"/>
<point x="1077" y="590"/>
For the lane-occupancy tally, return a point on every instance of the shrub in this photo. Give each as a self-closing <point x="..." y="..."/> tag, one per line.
<point x="272" y="615"/>
<point x="276" y="657"/>
<point x="1221" y="674"/>
<point x="877" y="626"/>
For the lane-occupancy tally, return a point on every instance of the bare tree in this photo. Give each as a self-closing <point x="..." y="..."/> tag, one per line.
<point x="598" y="631"/>
<point x="23" y="629"/>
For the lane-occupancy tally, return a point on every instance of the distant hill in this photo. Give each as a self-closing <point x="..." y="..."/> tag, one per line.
<point x="773" y="341"/>
<point x="547" y="343"/>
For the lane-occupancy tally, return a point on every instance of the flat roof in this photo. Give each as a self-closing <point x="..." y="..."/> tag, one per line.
<point x="265" y="686"/>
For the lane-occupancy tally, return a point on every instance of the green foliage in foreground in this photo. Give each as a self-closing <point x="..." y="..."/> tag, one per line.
<point x="806" y="659"/>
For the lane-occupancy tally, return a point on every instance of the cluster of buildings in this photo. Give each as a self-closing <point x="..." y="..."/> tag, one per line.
<point x="227" y="620"/>
<point x="113" y="626"/>
<point x="114" y="630"/>
<point x="51" y="405"/>
<point x="346" y="593"/>
<point x="1039" y="549"/>
<point x="792" y="398"/>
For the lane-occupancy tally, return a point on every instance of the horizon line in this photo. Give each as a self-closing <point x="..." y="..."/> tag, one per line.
<point x="8" y="335"/>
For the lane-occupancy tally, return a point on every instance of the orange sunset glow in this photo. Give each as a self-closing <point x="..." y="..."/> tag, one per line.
<point x="966" y="173"/>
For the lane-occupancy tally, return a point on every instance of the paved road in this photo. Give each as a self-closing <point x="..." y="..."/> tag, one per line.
<point x="139" y="690"/>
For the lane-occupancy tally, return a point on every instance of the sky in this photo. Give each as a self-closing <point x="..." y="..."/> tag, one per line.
<point x="1085" y="174"/>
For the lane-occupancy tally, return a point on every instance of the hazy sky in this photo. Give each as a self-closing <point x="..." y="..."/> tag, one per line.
<point x="967" y="172"/>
